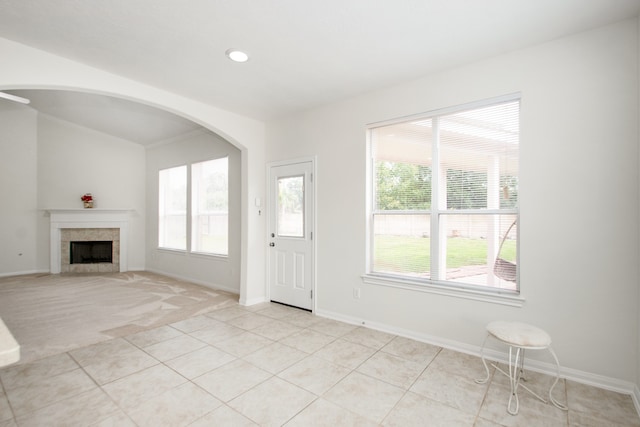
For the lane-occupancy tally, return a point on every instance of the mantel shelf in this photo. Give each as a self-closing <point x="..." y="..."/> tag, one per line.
<point x="73" y="210"/>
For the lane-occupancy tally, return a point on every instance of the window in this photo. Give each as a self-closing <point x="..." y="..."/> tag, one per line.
<point x="208" y="210"/>
<point x="444" y="200"/>
<point x="291" y="206"/>
<point x="172" y="208"/>
<point x="210" y="207"/>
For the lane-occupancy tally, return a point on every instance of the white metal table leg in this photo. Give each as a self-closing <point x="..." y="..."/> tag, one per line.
<point x="484" y="362"/>
<point x="551" y="398"/>
<point x="514" y="380"/>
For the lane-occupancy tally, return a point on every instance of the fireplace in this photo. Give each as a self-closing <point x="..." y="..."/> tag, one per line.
<point x="89" y="228"/>
<point x="97" y="250"/>
<point x="93" y="252"/>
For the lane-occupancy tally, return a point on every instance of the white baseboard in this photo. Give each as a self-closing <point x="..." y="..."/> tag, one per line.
<point x="197" y="282"/>
<point x="23" y="273"/>
<point x="242" y="301"/>
<point x="252" y="301"/>
<point x="612" y="384"/>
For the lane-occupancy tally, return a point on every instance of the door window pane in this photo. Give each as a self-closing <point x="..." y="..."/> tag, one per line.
<point x="291" y="206"/>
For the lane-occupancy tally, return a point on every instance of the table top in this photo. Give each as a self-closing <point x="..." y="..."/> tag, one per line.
<point x="519" y="334"/>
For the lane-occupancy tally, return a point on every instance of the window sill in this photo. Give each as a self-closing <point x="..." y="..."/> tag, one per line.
<point x="182" y="252"/>
<point x="172" y="251"/>
<point x="209" y="255"/>
<point x="510" y="299"/>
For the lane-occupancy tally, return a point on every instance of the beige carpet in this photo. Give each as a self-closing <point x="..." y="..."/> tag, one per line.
<point x="50" y="314"/>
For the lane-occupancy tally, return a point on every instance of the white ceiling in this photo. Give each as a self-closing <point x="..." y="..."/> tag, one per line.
<point x="303" y="53"/>
<point x="118" y="117"/>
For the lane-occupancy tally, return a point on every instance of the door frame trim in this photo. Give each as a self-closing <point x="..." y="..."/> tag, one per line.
<point x="314" y="211"/>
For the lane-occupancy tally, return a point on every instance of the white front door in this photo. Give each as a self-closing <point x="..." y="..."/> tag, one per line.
<point x="291" y="234"/>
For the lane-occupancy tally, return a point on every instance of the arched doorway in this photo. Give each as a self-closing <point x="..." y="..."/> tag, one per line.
<point x="251" y="288"/>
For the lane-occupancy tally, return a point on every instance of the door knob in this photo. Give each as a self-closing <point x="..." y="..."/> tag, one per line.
<point x="272" y="244"/>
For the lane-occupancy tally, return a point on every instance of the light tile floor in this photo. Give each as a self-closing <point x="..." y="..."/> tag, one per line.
<point x="272" y="365"/>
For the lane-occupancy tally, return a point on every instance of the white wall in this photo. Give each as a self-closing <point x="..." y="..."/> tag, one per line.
<point x="217" y="272"/>
<point x="18" y="190"/>
<point x="72" y="161"/>
<point x="637" y="388"/>
<point x="578" y="198"/>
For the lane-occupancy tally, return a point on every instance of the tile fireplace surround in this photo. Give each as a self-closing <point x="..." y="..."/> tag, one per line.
<point x="87" y="225"/>
<point x="68" y="235"/>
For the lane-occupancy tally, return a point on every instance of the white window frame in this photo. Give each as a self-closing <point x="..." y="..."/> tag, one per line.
<point x="193" y="229"/>
<point x="440" y="287"/>
<point x="189" y="229"/>
<point x="164" y="214"/>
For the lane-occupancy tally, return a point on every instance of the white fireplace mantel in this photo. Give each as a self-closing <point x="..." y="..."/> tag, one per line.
<point x="87" y="218"/>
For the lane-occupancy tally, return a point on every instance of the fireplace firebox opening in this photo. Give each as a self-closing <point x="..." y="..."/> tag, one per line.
<point x="92" y="252"/>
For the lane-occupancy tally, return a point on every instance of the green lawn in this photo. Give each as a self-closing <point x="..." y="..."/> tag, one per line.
<point x="411" y="254"/>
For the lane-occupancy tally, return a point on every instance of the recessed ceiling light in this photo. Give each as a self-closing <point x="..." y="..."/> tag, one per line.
<point x="237" y="55"/>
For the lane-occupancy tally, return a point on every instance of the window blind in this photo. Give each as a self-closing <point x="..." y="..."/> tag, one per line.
<point x="445" y="191"/>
